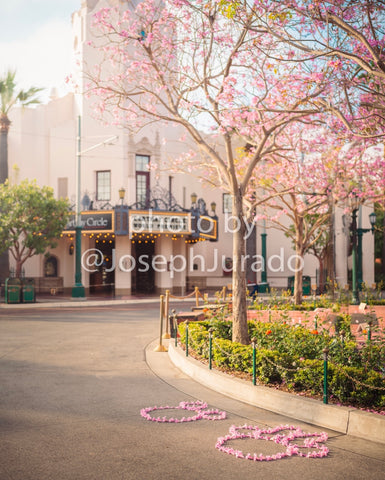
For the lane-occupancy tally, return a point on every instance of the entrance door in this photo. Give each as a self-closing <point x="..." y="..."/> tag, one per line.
<point x="143" y="276"/>
<point x="103" y="279"/>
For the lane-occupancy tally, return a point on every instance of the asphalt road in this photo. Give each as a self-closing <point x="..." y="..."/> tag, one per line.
<point x="73" y="382"/>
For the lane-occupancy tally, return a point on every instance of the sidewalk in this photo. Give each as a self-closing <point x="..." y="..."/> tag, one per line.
<point x="57" y="301"/>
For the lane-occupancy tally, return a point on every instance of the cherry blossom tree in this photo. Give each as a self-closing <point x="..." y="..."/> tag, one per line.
<point x="299" y="189"/>
<point x="320" y="172"/>
<point x="347" y="39"/>
<point x="188" y="64"/>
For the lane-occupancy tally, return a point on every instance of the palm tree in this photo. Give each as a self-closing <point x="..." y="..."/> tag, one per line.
<point x="9" y="97"/>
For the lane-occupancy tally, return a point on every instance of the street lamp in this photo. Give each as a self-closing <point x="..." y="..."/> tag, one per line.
<point x="357" y="233"/>
<point x="264" y="286"/>
<point x="78" y="288"/>
<point x="122" y="192"/>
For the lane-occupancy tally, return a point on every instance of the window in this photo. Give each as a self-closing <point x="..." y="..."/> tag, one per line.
<point x="103" y="185"/>
<point x="142" y="164"/>
<point x="50" y="267"/>
<point x="227" y="207"/>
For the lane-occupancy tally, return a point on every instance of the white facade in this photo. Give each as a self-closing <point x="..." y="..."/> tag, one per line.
<point x="43" y="144"/>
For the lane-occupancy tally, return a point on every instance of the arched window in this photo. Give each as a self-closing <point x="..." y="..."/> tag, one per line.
<point x="50" y="266"/>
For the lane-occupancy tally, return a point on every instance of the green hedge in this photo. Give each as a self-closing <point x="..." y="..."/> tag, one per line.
<point x="292" y="357"/>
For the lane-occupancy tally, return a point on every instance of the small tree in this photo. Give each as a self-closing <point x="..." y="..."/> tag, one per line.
<point x="31" y="220"/>
<point x="319" y="242"/>
<point x="318" y="171"/>
<point x="322" y="249"/>
<point x="10" y="97"/>
<point x="309" y="217"/>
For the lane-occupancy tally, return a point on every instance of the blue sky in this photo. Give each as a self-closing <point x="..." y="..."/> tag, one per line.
<point x="35" y="39"/>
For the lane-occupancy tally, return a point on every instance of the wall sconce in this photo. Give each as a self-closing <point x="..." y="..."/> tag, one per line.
<point x="213" y="207"/>
<point x="122" y="192"/>
<point x="71" y="249"/>
<point x="194" y="198"/>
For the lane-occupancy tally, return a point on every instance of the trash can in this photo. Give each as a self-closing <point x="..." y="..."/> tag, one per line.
<point x="306" y="285"/>
<point x="12" y="292"/>
<point x="290" y="284"/>
<point x="263" y="287"/>
<point x="28" y="290"/>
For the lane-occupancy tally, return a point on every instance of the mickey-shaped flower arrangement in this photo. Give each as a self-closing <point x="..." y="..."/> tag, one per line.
<point x="285" y="435"/>
<point x="200" y="408"/>
<point x="288" y="437"/>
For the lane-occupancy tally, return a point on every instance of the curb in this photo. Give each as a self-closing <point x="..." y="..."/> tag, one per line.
<point x="73" y="303"/>
<point x="345" y="420"/>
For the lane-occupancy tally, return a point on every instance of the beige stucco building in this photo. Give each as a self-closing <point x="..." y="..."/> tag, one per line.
<point x="144" y="230"/>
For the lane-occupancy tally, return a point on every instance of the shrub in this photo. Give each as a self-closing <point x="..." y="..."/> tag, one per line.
<point x="294" y="340"/>
<point x="309" y="377"/>
<point x="293" y="355"/>
<point x="357" y="386"/>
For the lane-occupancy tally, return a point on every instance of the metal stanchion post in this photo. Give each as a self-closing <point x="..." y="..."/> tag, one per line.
<point x="253" y="343"/>
<point x="160" y="347"/>
<point x="196" y="296"/>
<point x="166" y="334"/>
<point x="325" y="355"/>
<point x="210" y="347"/>
<point x="175" y="323"/>
<point x="186" y="322"/>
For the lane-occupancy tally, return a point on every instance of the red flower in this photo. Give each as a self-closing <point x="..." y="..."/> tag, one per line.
<point x="314" y="332"/>
<point x="268" y="332"/>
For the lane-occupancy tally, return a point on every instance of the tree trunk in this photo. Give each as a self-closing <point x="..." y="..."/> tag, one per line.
<point x="330" y="254"/>
<point x="383" y="251"/>
<point x="298" y="263"/>
<point x="240" y="330"/>
<point x="298" y="284"/>
<point x="19" y="268"/>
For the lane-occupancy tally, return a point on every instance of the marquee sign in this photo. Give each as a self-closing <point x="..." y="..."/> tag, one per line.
<point x="147" y="221"/>
<point x="93" y="222"/>
<point x="122" y="221"/>
<point x="204" y="226"/>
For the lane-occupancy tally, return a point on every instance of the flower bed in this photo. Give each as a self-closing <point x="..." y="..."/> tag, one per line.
<point x="325" y="319"/>
<point x="292" y="316"/>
